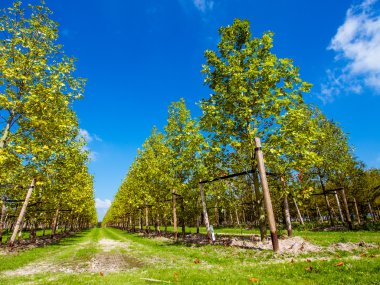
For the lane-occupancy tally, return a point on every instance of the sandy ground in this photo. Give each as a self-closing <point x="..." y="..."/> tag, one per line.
<point x="109" y="259"/>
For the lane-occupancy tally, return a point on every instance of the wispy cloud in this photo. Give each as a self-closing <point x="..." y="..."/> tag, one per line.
<point x="203" y="5"/>
<point x="86" y="135"/>
<point x="102" y="204"/>
<point x="93" y="155"/>
<point x="89" y="137"/>
<point x="357" y="47"/>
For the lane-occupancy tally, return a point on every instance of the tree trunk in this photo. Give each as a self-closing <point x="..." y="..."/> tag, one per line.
<point x="266" y="194"/>
<point x="54" y="224"/>
<point x="204" y="208"/>
<point x="259" y="208"/>
<point x="298" y="212"/>
<point x="216" y="214"/>
<point x="198" y="216"/>
<point x="339" y="207"/>
<point x="147" y="218"/>
<point x="140" y="220"/>
<point x="4" y="137"/>
<point x="237" y="217"/>
<point x="288" y="222"/>
<point x="3" y="213"/>
<point x="347" y="210"/>
<point x="183" y="224"/>
<point x="22" y="212"/>
<point x="175" y="230"/>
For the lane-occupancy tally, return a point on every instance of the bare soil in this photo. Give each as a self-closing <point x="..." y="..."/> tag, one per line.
<point x="108" y="260"/>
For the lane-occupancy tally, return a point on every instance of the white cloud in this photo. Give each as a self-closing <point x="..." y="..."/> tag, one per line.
<point x="357" y="44"/>
<point x="203" y="5"/>
<point x="93" y="155"/>
<point x="102" y="204"/>
<point x="86" y="135"/>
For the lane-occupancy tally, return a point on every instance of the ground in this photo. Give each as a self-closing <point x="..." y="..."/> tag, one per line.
<point x="111" y="256"/>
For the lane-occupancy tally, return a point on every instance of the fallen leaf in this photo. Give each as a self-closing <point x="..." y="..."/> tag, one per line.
<point x="309" y="269"/>
<point x="197" y="261"/>
<point x="254" y="280"/>
<point x="339" y="264"/>
<point x="176" y="276"/>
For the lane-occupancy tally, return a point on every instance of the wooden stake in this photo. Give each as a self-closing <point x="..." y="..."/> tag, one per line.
<point x="357" y="211"/>
<point x="22" y="213"/>
<point x="371" y="212"/>
<point x="267" y="199"/>
<point x="339" y="207"/>
<point x="327" y="202"/>
<point x="298" y="212"/>
<point x="347" y="210"/>
<point x="319" y="213"/>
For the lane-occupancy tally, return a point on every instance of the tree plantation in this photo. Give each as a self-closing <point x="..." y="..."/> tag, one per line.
<point x="312" y="172"/>
<point x="261" y="187"/>
<point x="44" y="179"/>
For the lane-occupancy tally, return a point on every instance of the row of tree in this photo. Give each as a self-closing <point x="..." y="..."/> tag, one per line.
<point x="255" y="94"/>
<point x="43" y="159"/>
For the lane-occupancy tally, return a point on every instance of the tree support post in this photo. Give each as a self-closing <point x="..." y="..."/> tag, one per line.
<point x="266" y="194"/>
<point x="327" y="202"/>
<point x="347" y="210"/>
<point x="22" y="212"/>
<point x="339" y="207"/>
<point x="298" y="212"/>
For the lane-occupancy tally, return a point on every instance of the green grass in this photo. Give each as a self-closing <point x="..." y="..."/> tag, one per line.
<point x="168" y="261"/>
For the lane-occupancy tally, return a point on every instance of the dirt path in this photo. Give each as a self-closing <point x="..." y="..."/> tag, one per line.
<point x="102" y="255"/>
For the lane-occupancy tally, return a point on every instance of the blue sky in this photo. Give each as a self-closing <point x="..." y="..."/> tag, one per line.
<point x="139" y="56"/>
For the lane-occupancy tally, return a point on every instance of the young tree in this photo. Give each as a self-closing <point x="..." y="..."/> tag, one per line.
<point x="252" y="88"/>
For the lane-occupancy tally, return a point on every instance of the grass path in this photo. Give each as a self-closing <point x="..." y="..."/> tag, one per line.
<point x="110" y="256"/>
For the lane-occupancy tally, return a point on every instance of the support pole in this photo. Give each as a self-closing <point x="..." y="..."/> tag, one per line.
<point x="22" y="213"/>
<point x="266" y="194"/>
<point x="347" y="210"/>
<point x="339" y="207"/>
<point x="298" y="212"/>
<point x="357" y="211"/>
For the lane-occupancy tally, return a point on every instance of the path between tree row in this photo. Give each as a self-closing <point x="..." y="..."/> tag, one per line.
<point x="108" y="252"/>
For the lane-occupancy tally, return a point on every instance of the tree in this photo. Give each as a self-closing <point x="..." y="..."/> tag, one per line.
<point x="184" y="141"/>
<point x="252" y="88"/>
